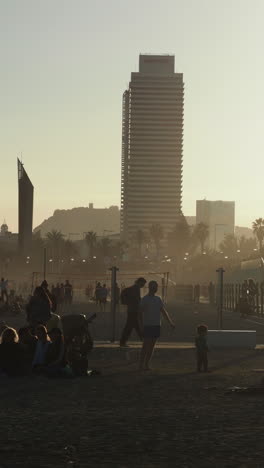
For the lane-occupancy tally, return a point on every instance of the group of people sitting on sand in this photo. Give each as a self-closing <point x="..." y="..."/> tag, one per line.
<point x="37" y="348"/>
<point x="32" y="352"/>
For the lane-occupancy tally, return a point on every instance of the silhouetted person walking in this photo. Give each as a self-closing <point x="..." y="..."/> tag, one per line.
<point x="211" y="293"/>
<point x="197" y="293"/>
<point x="68" y="293"/>
<point x="131" y="298"/>
<point x="201" y="348"/>
<point x="4" y="286"/>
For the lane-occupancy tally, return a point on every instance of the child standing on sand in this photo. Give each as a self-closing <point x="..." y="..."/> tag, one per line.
<point x="201" y="348"/>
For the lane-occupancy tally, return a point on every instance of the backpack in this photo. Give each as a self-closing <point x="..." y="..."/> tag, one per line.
<point x="125" y="295"/>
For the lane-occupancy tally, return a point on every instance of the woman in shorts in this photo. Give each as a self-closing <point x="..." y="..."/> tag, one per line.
<point x="151" y="309"/>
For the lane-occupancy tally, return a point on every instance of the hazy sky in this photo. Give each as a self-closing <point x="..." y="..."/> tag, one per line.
<point x="64" y="65"/>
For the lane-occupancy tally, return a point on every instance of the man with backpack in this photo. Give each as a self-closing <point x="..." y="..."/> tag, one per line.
<point x="131" y="298"/>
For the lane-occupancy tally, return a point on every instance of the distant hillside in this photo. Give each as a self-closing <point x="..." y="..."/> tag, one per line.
<point x="75" y="222"/>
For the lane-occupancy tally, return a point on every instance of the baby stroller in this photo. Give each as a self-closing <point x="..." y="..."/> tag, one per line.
<point x="78" y="342"/>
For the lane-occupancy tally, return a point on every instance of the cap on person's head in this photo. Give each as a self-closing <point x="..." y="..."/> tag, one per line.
<point x="202" y="328"/>
<point x="141" y="280"/>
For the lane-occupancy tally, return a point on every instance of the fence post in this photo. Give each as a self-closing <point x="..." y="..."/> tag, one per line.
<point x="44" y="263"/>
<point x="163" y="288"/>
<point x="237" y="296"/>
<point x="261" y="298"/>
<point x="220" y="272"/>
<point x="257" y="298"/>
<point x="113" y="270"/>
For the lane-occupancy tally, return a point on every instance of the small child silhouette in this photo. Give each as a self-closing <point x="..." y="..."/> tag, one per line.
<point x="201" y="348"/>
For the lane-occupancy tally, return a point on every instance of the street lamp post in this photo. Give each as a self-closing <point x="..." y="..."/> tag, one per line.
<point x="45" y="263"/>
<point x="114" y="271"/>
<point x="220" y="272"/>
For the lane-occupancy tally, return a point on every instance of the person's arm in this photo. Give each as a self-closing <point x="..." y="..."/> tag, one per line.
<point x="167" y="317"/>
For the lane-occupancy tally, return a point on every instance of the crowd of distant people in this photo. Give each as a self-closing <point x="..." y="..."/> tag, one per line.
<point x="100" y="293"/>
<point x="62" y="294"/>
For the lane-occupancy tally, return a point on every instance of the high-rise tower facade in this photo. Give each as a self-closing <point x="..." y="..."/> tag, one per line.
<point x="152" y="143"/>
<point x="25" y="210"/>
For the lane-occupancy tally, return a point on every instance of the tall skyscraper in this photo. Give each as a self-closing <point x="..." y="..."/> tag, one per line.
<point x="25" y="210"/>
<point x="152" y="142"/>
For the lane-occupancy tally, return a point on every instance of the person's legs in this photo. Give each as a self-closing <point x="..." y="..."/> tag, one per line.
<point x="150" y="344"/>
<point x="143" y="354"/>
<point x="199" y="361"/>
<point x="138" y="329"/>
<point x="204" y="362"/>
<point x="127" y="330"/>
<point x="6" y="296"/>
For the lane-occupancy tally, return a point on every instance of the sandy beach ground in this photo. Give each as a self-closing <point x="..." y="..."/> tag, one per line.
<point x="169" y="417"/>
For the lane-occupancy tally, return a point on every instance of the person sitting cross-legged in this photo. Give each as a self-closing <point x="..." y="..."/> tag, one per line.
<point x="12" y="358"/>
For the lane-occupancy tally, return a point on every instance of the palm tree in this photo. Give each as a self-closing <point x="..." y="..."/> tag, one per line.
<point x="69" y="249"/>
<point x="156" y="233"/>
<point x="247" y="246"/>
<point x="54" y="240"/>
<point x="179" y="238"/>
<point x="91" y="238"/>
<point x="201" y="233"/>
<point x="258" y="230"/>
<point x="119" y="249"/>
<point x="105" y="245"/>
<point x="229" y="245"/>
<point x="139" y="238"/>
<point x="54" y="236"/>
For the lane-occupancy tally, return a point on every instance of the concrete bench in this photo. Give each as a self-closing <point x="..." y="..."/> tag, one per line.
<point x="232" y="339"/>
